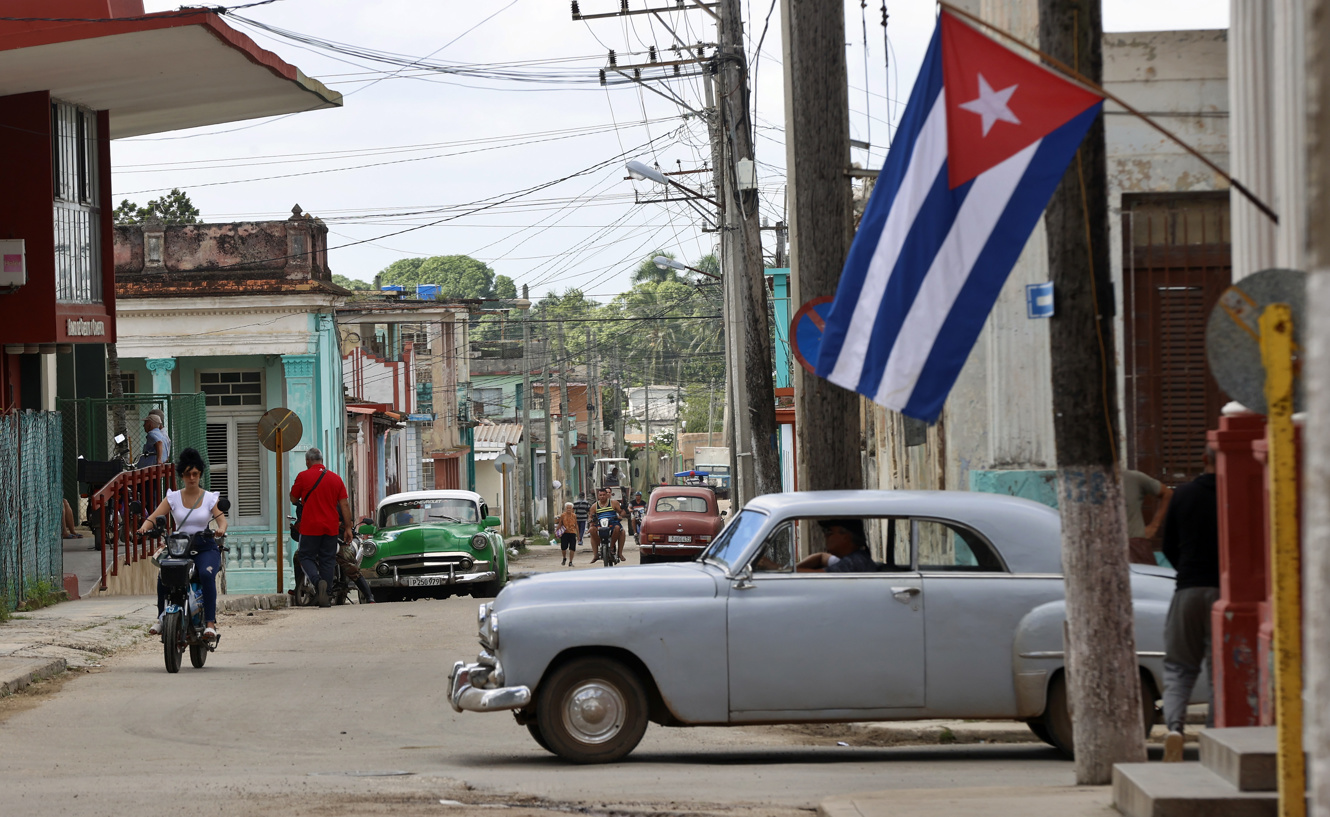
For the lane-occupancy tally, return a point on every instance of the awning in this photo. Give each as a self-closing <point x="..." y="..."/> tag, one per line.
<point x="160" y="73"/>
<point x="484" y="456"/>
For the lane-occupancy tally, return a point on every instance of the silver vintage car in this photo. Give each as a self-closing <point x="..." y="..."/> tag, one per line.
<point x="962" y="617"/>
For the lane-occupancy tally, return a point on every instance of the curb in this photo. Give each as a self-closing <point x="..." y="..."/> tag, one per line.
<point x="240" y="604"/>
<point x="15" y="674"/>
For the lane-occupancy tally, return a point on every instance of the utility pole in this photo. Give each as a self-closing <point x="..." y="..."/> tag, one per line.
<point x="711" y="410"/>
<point x="678" y="405"/>
<point x="1316" y="471"/>
<point x="564" y="425"/>
<point x="817" y="147"/>
<point x="549" y="439"/>
<point x="742" y="225"/>
<point x="592" y="406"/>
<point x="1103" y="682"/>
<point x="524" y="464"/>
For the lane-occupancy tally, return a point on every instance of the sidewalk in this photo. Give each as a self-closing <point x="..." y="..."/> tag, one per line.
<point x="1024" y="801"/>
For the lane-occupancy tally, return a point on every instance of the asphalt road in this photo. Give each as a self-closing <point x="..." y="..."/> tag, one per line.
<point x="343" y="711"/>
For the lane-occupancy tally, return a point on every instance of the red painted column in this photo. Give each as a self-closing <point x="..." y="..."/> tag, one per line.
<point x="1235" y="619"/>
<point x="1265" y="638"/>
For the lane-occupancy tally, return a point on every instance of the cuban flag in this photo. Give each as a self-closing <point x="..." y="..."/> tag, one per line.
<point x="984" y="142"/>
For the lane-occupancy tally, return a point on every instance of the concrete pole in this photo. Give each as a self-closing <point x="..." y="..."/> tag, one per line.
<point x="1316" y="448"/>
<point x="549" y="441"/>
<point x="524" y="464"/>
<point x="564" y="424"/>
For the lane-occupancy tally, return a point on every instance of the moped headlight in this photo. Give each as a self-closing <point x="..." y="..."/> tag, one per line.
<point x="178" y="544"/>
<point x="479" y="542"/>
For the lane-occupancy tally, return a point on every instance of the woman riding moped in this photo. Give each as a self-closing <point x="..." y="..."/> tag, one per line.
<point x="191" y="509"/>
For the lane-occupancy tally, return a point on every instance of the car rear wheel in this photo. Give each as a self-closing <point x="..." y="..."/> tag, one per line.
<point x="1057" y="714"/>
<point x="1040" y="731"/>
<point x="592" y="710"/>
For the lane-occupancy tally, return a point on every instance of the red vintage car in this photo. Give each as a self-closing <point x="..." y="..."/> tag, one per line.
<point x="680" y="522"/>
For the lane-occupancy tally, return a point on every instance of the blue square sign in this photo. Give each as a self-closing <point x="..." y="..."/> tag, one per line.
<point x="1039" y="300"/>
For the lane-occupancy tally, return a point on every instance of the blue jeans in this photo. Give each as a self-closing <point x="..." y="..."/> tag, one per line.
<point x="207" y="564"/>
<point x="317" y="555"/>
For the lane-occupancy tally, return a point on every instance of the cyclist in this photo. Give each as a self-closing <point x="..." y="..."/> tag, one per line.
<point x="607" y="509"/>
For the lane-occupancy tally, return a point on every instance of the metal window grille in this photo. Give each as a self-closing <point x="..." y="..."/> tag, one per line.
<point x="76" y="215"/>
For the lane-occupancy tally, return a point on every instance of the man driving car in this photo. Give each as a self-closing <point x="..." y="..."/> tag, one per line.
<point x="847" y="549"/>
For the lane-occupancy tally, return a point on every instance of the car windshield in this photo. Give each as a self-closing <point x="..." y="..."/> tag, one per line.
<point x="730" y="545"/>
<point x="421" y="511"/>
<point x="681" y="504"/>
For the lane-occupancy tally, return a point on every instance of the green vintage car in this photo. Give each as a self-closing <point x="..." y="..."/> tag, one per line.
<point x="434" y="543"/>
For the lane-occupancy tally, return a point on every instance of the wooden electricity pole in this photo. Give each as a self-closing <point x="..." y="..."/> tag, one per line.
<point x="746" y="274"/>
<point x="1103" y="682"/>
<point x="817" y="156"/>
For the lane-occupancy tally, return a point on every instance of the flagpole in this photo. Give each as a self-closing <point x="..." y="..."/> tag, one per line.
<point x="1099" y="89"/>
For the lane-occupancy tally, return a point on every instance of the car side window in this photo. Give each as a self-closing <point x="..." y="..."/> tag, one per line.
<point x="954" y="548"/>
<point x="890" y="538"/>
<point x="778" y="553"/>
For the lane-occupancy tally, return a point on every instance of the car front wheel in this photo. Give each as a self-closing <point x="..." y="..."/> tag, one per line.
<point x="592" y="710"/>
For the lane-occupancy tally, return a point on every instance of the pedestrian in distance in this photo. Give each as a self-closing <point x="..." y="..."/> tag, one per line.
<point x="567" y="536"/>
<point x="325" y="522"/>
<point x="583" y="509"/>
<point x="1136" y="486"/>
<point x="1191" y="543"/>
<point x="156" y="445"/>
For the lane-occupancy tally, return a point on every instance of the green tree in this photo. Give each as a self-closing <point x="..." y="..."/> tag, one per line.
<point x="173" y="208"/>
<point x="353" y="284"/>
<point x="504" y="287"/>
<point x="457" y="276"/>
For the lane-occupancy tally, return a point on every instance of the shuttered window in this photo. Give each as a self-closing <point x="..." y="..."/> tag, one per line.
<point x="237" y="465"/>
<point x="1178" y="262"/>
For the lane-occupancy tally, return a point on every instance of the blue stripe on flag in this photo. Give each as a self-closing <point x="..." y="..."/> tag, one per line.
<point x="926" y="90"/>
<point x="926" y="237"/>
<point x="992" y="267"/>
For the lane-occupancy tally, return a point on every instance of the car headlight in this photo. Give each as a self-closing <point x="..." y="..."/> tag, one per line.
<point x="369" y="550"/>
<point x="479" y="542"/>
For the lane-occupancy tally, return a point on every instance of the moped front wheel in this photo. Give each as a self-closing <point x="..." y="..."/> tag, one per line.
<point x="172" y="647"/>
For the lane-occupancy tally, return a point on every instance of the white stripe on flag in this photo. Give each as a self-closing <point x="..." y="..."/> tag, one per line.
<point x="951" y="268"/>
<point x="930" y="151"/>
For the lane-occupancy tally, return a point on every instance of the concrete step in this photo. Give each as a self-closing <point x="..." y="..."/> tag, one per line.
<point x="1244" y="756"/>
<point x="1184" y="790"/>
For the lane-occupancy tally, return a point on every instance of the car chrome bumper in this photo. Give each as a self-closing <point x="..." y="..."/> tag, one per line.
<point x="440" y="579"/>
<point x="477" y="687"/>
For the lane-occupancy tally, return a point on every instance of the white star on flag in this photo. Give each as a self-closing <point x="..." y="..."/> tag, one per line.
<point x="992" y="105"/>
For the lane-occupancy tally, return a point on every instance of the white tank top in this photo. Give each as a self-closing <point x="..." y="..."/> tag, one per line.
<point x="187" y="522"/>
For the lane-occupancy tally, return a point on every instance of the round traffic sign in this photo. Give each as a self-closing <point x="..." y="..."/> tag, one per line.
<point x="806" y="331"/>
<point x="284" y="419"/>
<point x="1233" y="334"/>
<point x="504" y="461"/>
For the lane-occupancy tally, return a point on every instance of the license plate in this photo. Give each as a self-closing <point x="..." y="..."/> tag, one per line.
<point x="687" y="540"/>
<point x="425" y="581"/>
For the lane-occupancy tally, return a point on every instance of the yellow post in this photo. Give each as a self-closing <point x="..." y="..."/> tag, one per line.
<point x="1285" y="559"/>
<point x="281" y="513"/>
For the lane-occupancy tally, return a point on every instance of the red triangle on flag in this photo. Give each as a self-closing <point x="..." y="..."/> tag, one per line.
<point x="998" y="102"/>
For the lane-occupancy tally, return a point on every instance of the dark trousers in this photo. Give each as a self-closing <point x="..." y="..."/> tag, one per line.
<point x="317" y="555"/>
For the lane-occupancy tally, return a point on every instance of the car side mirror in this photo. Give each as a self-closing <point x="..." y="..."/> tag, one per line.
<point x="223" y="504"/>
<point x="366" y="529"/>
<point x="492" y="522"/>
<point x="743" y="580"/>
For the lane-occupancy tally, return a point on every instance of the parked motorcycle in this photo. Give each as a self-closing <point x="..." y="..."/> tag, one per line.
<point x="96" y="473"/>
<point x="182" y="619"/>
<point x="342" y="590"/>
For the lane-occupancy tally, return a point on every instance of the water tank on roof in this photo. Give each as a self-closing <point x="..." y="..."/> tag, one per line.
<point x="427" y="292"/>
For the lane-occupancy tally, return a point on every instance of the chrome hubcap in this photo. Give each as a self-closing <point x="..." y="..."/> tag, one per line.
<point x="593" y="712"/>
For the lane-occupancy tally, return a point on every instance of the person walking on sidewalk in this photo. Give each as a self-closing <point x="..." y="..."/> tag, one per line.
<point x="325" y="521"/>
<point x="567" y="533"/>
<point x="582" y="509"/>
<point x="1191" y="543"/>
<point x="1136" y="486"/>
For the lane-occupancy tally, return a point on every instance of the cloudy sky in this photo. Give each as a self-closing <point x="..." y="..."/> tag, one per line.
<point x="455" y="109"/>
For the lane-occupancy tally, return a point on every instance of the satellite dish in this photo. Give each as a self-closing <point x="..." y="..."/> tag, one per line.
<point x="1233" y="334"/>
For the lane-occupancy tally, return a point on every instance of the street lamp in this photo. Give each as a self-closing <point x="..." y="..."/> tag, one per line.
<point x="665" y="262"/>
<point x="643" y="172"/>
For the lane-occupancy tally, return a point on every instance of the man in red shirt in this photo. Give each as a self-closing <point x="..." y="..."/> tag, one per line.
<point x="324" y="521"/>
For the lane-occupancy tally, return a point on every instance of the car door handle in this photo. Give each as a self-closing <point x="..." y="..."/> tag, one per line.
<point x="904" y="594"/>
